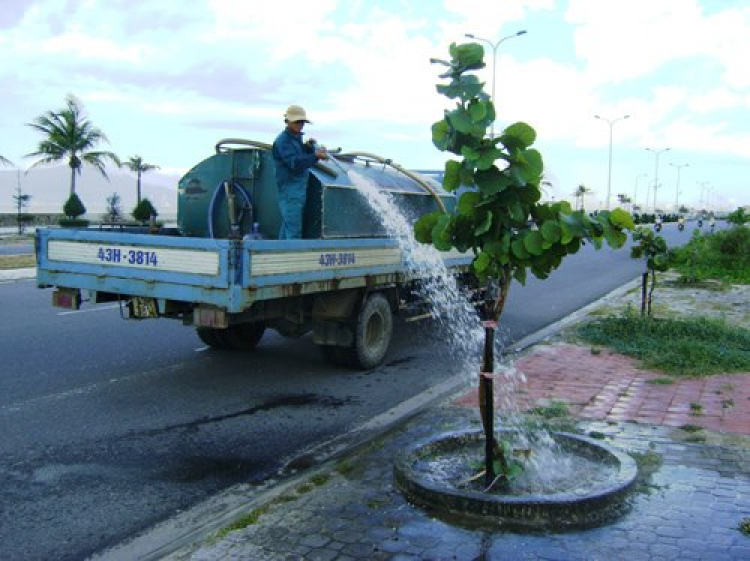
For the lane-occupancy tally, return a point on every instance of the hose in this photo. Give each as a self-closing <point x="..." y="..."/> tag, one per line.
<point x="411" y="175"/>
<point x="214" y="198"/>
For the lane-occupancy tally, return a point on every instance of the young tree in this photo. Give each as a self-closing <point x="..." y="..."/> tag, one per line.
<point x="138" y="166"/>
<point x="21" y="200"/>
<point x="114" y="213"/>
<point x="501" y="219"/>
<point x="580" y="193"/>
<point x="70" y="136"/>
<point x="654" y="249"/>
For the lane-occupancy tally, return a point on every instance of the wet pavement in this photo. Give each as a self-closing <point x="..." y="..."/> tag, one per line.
<point x="691" y="440"/>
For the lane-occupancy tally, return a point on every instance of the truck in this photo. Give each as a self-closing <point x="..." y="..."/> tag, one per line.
<point x="222" y="270"/>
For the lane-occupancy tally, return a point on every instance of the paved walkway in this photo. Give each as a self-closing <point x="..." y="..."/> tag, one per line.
<point x="610" y="387"/>
<point x="691" y="507"/>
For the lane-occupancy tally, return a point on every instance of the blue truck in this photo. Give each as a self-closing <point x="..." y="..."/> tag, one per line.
<point x="222" y="271"/>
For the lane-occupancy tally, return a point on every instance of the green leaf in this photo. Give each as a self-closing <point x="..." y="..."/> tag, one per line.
<point x="487" y="157"/>
<point x="423" y="227"/>
<point x="451" y="179"/>
<point x="477" y="110"/>
<point x="518" y="249"/>
<point x="442" y="233"/>
<point x="485" y="225"/>
<point x="532" y="242"/>
<point x="518" y="135"/>
<point x="441" y="135"/>
<point x="481" y="262"/>
<point x="467" y="203"/>
<point x="551" y="231"/>
<point x="621" y="219"/>
<point x="460" y="120"/>
<point x="490" y="180"/>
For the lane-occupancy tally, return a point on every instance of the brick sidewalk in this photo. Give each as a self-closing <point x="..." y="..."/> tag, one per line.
<point x="610" y="387"/>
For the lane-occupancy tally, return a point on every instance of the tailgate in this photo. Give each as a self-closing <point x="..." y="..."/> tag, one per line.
<point x="170" y="267"/>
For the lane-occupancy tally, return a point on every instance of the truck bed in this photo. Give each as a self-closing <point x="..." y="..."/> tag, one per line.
<point x="227" y="274"/>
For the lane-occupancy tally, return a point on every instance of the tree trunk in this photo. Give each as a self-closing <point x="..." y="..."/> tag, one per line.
<point x="138" y="194"/>
<point x="491" y="315"/>
<point x="72" y="180"/>
<point x="644" y="288"/>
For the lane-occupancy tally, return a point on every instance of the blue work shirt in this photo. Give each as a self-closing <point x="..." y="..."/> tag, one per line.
<point x="293" y="159"/>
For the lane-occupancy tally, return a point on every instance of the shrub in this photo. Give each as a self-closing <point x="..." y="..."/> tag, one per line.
<point x="144" y="210"/>
<point x="73" y="207"/>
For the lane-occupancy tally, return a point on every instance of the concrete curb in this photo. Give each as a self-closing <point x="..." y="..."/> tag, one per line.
<point x="9" y="275"/>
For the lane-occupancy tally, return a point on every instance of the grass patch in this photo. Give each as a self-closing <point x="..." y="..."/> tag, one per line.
<point x="553" y="417"/>
<point x="648" y="463"/>
<point x="691" y="428"/>
<point x="661" y="381"/>
<point x="248" y="519"/>
<point x="17" y="261"/>
<point x="693" y="347"/>
<point x="724" y="256"/>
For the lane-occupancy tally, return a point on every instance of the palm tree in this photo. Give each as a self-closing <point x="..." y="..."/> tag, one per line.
<point x="5" y="161"/>
<point x="70" y="136"/>
<point x="137" y="165"/>
<point x="580" y="193"/>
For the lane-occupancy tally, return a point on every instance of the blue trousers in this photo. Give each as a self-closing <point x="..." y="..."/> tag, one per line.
<point x="292" y="198"/>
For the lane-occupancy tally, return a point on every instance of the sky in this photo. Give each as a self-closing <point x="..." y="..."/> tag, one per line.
<point x="167" y="79"/>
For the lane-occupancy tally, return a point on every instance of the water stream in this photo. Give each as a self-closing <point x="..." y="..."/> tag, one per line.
<point x="546" y="467"/>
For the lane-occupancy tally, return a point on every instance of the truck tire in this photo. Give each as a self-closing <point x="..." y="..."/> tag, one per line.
<point x="209" y="336"/>
<point x="243" y="336"/>
<point x="239" y="337"/>
<point x="373" y="333"/>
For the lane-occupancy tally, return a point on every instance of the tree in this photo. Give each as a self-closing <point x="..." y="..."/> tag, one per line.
<point x="5" y="161"/>
<point x="138" y="166"/>
<point x="144" y="211"/>
<point x="70" y="136"/>
<point x="580" y="193"/>
<point x="738" y="217"/>
<point x="501" y="219"/>
<point x="654" y="249"/>
<point x="21" y="200"/>
<point x="114" y="213"/>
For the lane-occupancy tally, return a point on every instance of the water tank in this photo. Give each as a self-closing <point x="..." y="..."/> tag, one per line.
<point x="336" y="205"/>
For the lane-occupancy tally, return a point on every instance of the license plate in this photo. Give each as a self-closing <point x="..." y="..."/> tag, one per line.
<point x="142" y="308"/>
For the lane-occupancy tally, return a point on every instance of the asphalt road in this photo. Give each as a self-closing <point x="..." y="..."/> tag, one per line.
<point x="111" y="426"/>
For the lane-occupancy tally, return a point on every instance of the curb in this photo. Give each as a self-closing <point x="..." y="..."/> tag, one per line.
<point x="9" y="275"/>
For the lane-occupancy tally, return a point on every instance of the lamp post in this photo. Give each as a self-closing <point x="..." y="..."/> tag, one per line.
<point x="494" y="59"/>
<point x="611" y="123"/>
<point x="657" y="153"/>
<point x="677" y="188"/>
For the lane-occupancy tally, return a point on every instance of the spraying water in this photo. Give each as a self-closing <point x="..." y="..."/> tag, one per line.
<point x="546" y="467"/>
<point x="437" y="287"/>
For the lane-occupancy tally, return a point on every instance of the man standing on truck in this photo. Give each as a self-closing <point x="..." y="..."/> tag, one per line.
<point x="293" y="162"/>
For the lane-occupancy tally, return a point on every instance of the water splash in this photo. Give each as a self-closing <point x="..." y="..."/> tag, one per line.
<point x="438" y="288"/>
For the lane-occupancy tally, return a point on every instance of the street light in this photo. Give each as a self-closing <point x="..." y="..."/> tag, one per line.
<point x="611" y="123"/>
<point x="494" y="59"/>
<point x="677" y="188"/>
<point x="657" y="153"/>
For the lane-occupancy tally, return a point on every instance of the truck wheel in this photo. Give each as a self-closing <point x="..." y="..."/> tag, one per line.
<point x="209" y="336"/>
<point x="240" y="337"/>
<point x="243" y="336"/>
<point x="373" y="332"/>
